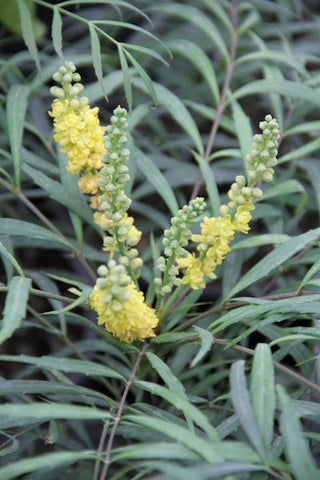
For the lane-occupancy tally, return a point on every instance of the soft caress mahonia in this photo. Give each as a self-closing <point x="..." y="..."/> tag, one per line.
<point x="100" y="161"/>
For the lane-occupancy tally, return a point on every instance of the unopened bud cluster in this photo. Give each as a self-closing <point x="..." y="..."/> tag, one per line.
<point x="113" y="202"/>
<point x="71" y="86"/>
<point x="175" y="239"/>
<point x="263" y="156"/>
<point x="113" y="281"/>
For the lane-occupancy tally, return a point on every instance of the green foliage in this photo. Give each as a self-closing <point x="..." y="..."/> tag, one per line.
<point x="229" y="386"/>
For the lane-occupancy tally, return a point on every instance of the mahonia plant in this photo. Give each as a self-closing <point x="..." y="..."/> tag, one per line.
<point x="100" y="161"/>
<point x="99" y="156"/>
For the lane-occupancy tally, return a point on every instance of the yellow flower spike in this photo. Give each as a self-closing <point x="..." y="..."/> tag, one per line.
<point x="129" y="320"/>
<point x="76" y="125"/>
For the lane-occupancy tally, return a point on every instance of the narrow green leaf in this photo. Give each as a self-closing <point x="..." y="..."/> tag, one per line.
<point x="157" y="179"/>
<point x="208" y="471"/>
<point x="16" y="111"/>
<point x="68" y="365"/>
<point x="194" y="15"/>
<point x="27" y="31"/>
<point x="44" y="411"/>
<point x="19" y="228"/>
<point x="154" y="450"/>
<point x="200" y="60"/>
<point x="244" y="131"/>
<point x="296" y="446"/>
<point x="71" y="199"/>
<point x="164" y="371"/>
<point x="96" y="56"/>
<point x="177" y="110"/>
<point x="272" y="56"/>
<point x="145" y="77"/>
<point x="126" y="77"/>
<point x="4" y="253"/>
<point x="302" y="152"/>
<point x="241" y="402"/>
<point x="181" y="403"/>
<point x="120" y="3"/>
<point x="251" y="19"/>
<point x="9" y="387"/>
<point x="180" y="434"/>
<point x="284" y="188"/>
<point x="258" y="240"/>
<point x="274" y="259"/>
<point x="171" y="337"/>
<point x="85" y="294"/>
<point x="309" y="304"/>
<point x="310" y="273"/>
<point x="211" y="185"/>
<point x="312" y="170"/>
<point x="44" y="461"/>
<point x="15" y="306"/>
<point x="146" y="51"/>
<point x="207" y="340"/>
<point x="56" y="32"/>
<point x="283" y="87"/>
<point x="263" y="392"/>
<point x="294" y="338"/>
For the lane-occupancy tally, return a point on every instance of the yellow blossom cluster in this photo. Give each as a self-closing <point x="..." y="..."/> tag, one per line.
<point x="218" y="232"/>
<point x="213" y="245"/>
<point x="121" y="307"/>
<point x="78" y="131"/>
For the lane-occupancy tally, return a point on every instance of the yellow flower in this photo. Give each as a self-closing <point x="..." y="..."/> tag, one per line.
<point x="128" y="320"/>
<point x="213" y="245"/>
<point x="88" y="183"/>
<point x="193" y="271"/>
<point x="78" y="131"/>
<point x="242" y="218"/>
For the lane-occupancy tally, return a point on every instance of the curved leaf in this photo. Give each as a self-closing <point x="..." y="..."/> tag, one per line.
<point x="15" y="306"/>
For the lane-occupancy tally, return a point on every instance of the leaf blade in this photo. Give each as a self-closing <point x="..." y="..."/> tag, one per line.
<point x="242" y="405"/>
<point x="16" y="110"/>
<point x="278" y="256"/>
<point x="15" y="306"/>
<point x="262" y="391"/>
<point x="296" y="446"/>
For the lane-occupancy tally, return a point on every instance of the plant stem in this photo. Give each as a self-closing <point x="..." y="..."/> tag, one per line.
<point x="100" y="449"/>
<point x="117" y="419"/>
<point x="222" y="104"/>
<point x="44" y="294"/>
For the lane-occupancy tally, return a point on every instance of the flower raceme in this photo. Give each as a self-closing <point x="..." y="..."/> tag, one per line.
<point x="96" y="153"/>
<point x="213" y="243"/>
